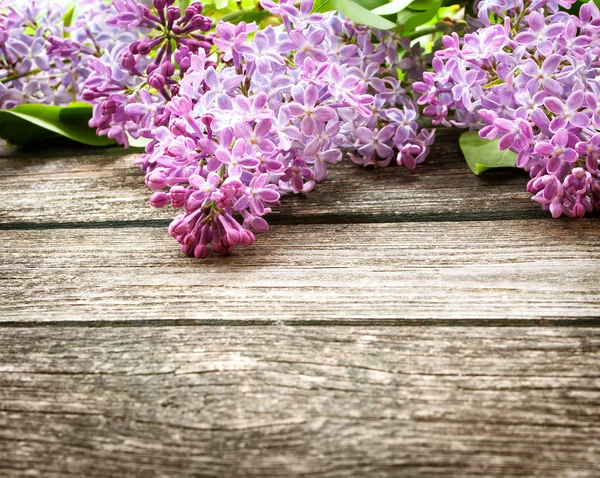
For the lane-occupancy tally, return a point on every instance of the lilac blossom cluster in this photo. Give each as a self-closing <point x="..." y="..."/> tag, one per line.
<point x="132" y="81"/>
<point x="528" y="75"/>
<point x="44" y="61"/>
<point x="278" y="109"/>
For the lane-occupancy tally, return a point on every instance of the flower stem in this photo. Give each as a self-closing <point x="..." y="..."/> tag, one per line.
<point x="20" y="75"/>
<point x="428" y="30"/>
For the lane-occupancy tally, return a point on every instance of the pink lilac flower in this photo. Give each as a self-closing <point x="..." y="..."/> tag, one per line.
<point x="154" y="62"/>
<point x="269" y="117"/>
<point x="44" y="61"/>
<point x="535" y="89"/>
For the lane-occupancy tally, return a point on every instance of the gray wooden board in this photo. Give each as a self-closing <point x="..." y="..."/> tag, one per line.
<point x="95" y="381"/>
<point x="294" y="401"/>
<point x="526" y="269"/>
<point x="104" y="185"/>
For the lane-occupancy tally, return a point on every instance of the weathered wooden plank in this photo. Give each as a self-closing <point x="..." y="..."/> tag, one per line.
<point x="101" y="185"/>
<point x="277" y="401"/>
<point x="536" y="269"/>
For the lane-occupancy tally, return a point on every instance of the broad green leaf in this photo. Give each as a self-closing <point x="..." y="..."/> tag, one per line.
<point x="244" y="16"/>
<point x="482" y="154"/>
<point x="371" y="4"/>
<point x="363" y="16"/>
<point x="394" y="7"/>
<point x="354" y="12"/>
<point x="411" y="19"/>
<point x="29" y="123"/>
<point x="221" y="4"/>
<point x="422" y="5"/>
<point x="322" y="6"/>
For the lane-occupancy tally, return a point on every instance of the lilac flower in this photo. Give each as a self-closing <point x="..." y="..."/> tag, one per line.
<point x="306" y="46"/>
<point x="305" y="107"/>
<point x="257" y="136"/>
<point x="286" y="132"/>
<point x="266" y="115"/>
<point x="321" y="158"/>
<point x="156" y="54"/>
<point x="236" y="159"/>
<point x="540" y="35"/>
<point x="375" y="141"/>
<point x="567" y="112"/>
<point x="538" y="95"/>
<point x="557" y="150"/>
<point x="536" y="76"/>
<point x="48" y="64"/>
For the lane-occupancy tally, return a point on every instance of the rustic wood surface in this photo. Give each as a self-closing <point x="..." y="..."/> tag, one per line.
<point x="295" y="401"/>
<point x="392" y="323"/>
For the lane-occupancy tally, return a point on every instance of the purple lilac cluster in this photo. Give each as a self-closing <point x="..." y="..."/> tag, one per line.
<point x="132" y="81"/>
<point x="44" y="61"/>
<point x="279" y="109"/>
<point x="528" y="75"/>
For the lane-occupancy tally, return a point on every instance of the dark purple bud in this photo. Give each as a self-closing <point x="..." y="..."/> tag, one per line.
<point x="207" y="120"/>
<point x="173" y="13"/>
<point x="128" y="61"/>
<point x="181" y="52"/>
<point x="201" y="251"/>
<point x="133" y="48"/>
<point x="193" y="45"/>
<point x="144" y="47"/>
<point x="109" y="107"/>
<point x="167" y="69"/>
<point x="160" y="5"/>
<point x="151" y="67"/>
<point x="206" y="46"/>
<point x="157" y="81"/>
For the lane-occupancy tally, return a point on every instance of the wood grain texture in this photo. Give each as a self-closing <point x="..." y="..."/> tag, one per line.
<point x="277" y="401"/>
<point x="104" y="185"/>
<point x="536" y="269"/>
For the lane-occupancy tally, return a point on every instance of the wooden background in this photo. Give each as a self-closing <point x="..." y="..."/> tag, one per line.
<point x="391" y="323"/>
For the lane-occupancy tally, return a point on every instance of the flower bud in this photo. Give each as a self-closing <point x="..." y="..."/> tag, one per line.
<point x="178" y="195"/>
<point x="156" y="180"/>
<point x="159" y="199"/>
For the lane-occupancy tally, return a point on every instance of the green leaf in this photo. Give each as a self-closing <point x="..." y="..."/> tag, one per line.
<point x="482" y="154"/>
<point x="29" y="123"/>
<point x="394" y="7"/>
<point x="244" y="16"/>
<point x="363" y="16"/>
<point x="411" y="19"/>
<point x="422" y="5"/>
<point x="322" y="6"/>
<point x="221" y="4"/>
<point x="371" y="4"/>
<point x="68" y="17"/>
<point x="354" y="12"/>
